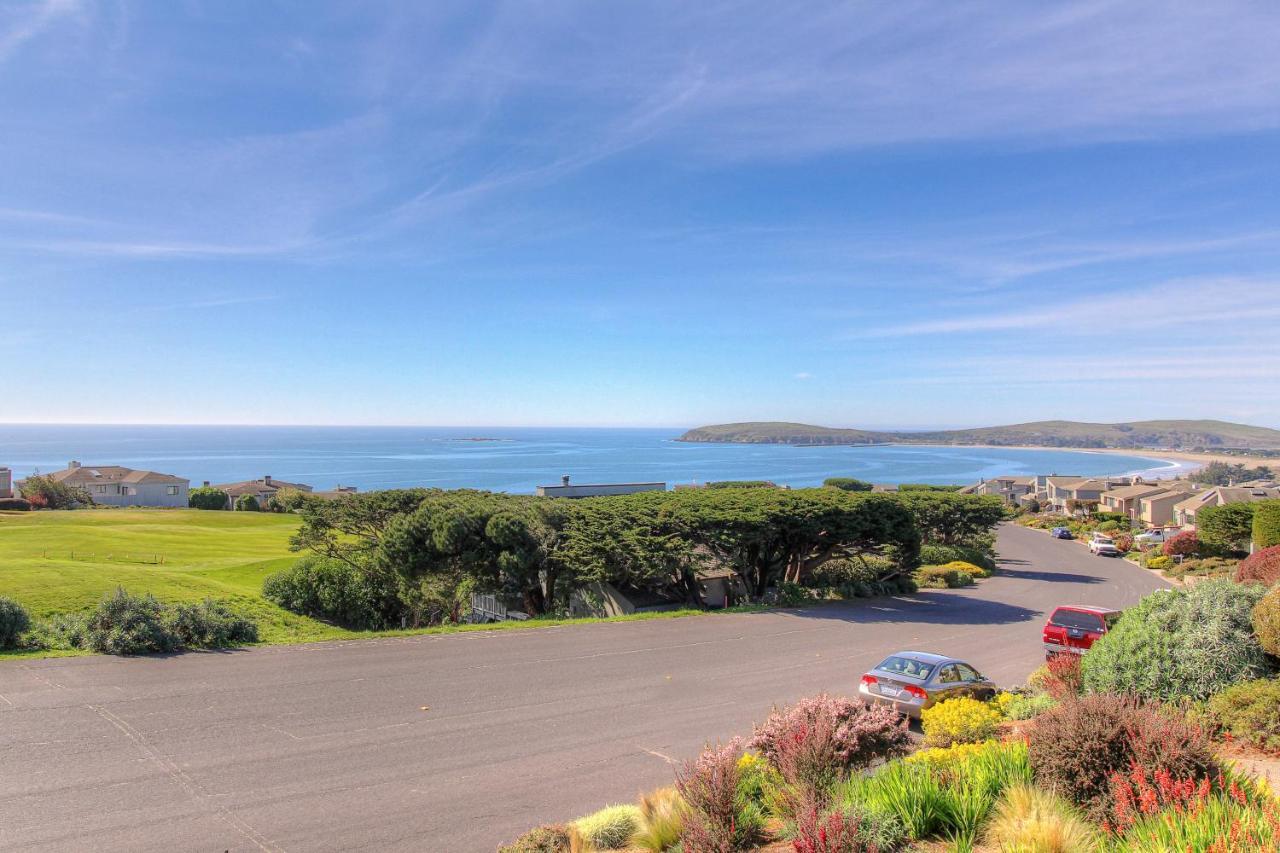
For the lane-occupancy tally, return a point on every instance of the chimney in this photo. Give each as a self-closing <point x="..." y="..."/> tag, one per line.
<point x="564" y="481"/>
<point x="73" y="464"/>
<point x="267" y="479"/>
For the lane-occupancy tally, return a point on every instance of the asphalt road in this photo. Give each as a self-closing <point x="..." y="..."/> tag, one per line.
<point x="459" y="742"/>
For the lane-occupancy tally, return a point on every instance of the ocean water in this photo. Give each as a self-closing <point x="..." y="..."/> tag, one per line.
<point x="515" y="459"/>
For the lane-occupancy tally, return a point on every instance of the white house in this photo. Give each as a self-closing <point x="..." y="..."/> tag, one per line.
<point x="115" y="485"/>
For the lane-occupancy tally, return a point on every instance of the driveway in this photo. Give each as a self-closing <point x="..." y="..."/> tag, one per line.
<point x="459" y="742"/>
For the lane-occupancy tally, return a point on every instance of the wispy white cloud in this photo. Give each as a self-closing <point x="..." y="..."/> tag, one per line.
<point x="803" y="375"/>
<point x="26" y="21"/>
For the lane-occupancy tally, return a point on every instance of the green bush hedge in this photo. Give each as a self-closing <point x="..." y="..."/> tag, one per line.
<point x="14" y="622"/>
<point x="1266" y="622"/>
<point x="211" y="625"/>
<point x="14" y="505"/>
<point x="1266" y="523"/>
<point x="847" y="484"/>
<point x="337" y="592"/>
<point x="941" y="577"/>
<point x="207" y="497"/>
<point x="1250" y="711"/>
<point x="1189" y="643"/>
<point x="940" y="555"/>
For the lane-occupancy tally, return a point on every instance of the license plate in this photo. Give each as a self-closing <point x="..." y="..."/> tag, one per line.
<point x="890" y="691"/>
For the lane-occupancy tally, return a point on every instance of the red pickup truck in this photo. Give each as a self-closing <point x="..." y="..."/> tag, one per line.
<point x="1074" y="628"/>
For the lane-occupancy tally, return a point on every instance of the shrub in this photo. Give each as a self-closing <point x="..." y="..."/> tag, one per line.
<point x="970" y="568"/>
<point x="608" y="829"/>
<point x="661" y="820"/>
<point x="941" y="577"/>
<point x="851" y="571"/>
<point x="910" y="792"/>
<point x="552" y="838"/>
<point x="1266" y="524"/>
<point x="47" y="493"/>
<point x="849" y="734"/>
<point x="1108" y="526"/>
<point x="14" y="622"/>
<point x="359" y="598"/>
<point x="851" y="828"/>
<point x="125" y="624"/>
<point x="1260" y="567"/>
<point x="1076" y="746"/>
<point x="1205" y="567"/>
<point x="1266" y="622"/>
<point x="1180" y="643"/>
<point x="940" y="555"/>
<point x="211" y="625"/>
<point x="1124" y="542"/>
<point x="1030" y="820"/>
<point x="248" y="503"/>
<point x="1028" y="707"/>
<point x="207" y="497"/>
<point x="1250" y="711"/>
<point x="960" y="720"/>
<point x="1226" y="527"/>
<point x="1183" y="544"/>
<point x="720" y="817"/>
<point x="1160" y="563"/>
<point x="14" y="505"/>
<point x="1063" y="676"/>
<point x="847" y="484"/>
<point x="793" y="595"/>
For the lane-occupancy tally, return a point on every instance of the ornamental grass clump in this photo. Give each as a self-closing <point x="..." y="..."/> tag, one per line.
<point x="1233" y="821"/>
<point x="849" y="829"/>
<point x="610" y="828"/>
<point x="721" y="818"/>
<point x="1178" y="644"/>
<point x="960" y="720"/>
<point x="552" y="838"/>
<point x="661" y="820"/>
<point x="1032" y="820"/>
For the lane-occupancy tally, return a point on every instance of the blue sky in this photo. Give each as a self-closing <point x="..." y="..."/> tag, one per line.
<point x="864" y="214"/>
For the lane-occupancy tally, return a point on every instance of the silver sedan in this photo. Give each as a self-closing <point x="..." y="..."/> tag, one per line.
<point x="909" y="682"/>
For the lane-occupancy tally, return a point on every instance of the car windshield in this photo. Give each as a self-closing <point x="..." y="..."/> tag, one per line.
<point x="1076" y="619"/>
<point x="907" y="667"/>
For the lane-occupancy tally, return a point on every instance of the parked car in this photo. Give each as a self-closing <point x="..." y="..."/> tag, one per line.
<point x="1098" y="536"/>
<point x="1061" y="533"/>
<point x="1074" y="628"/>
<point x="1158" y="536"/>
<point x="909" y="682"/>
<point x="1104" y="548"/>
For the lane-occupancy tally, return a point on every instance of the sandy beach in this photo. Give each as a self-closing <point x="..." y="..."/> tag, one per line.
<point x="1179" y="462"/>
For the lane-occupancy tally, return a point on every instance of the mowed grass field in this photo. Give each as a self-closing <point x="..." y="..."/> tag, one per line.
<point x="65" y="562"/>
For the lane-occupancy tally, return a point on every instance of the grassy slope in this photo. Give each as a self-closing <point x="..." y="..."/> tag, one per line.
<point x="1040" y="433"/>
<point x="60" y="562"/>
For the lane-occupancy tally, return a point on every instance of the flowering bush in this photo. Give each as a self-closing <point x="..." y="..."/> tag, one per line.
<point x="1078" y="745"/>
<point x="1184" y="544"/>
<point x="1260" y="567"/>
<point x="1160" y="563"/>
<point x="1225" y="822"/>
<point x="942" y="577"/>
<point x="968" y="568"/>
<point x="1124" y="542"/>
<point x="833" y="832"/>
<point x="720" y="817"/>
<point x="850" y="733"/>
<point x="961" y="720"/>
<point x="1064" y="677"/>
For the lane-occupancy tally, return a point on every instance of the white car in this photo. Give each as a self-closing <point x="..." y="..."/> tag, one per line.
<point x="1104" y="547"/>
<point x="1159" y="536"/>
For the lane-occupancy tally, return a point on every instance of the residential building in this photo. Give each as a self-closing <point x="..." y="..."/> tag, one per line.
<point x="1124" y="499"/>
<point x="115" y="485"/>
<point x="336" y="492"/>
<point x="594" y="490"/>
<point x="1184" y="512"/>
<point x="1011" y="489"/>
<point x="1060" y="491"/>
<point x="6" y="483"/>
<point x="1158" y="510"/>
<point x="263" y="489"/>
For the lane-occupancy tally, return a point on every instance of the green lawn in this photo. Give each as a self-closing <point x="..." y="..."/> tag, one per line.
<point x="64" y="562"/>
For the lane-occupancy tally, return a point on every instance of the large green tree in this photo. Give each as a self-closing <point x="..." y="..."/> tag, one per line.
<point x="1228" y="526"/>
<point x="946" y="518"/>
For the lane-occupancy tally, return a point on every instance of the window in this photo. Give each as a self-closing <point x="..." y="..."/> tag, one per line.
<point x="907" y="667"/>
<point x="171" y="490"/>
<point x="949" y="675"/>
<point x="968" y="673"/>
<point x="1076" y="619"/>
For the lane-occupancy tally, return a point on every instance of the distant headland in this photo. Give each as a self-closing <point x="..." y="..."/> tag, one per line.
<point x="1207" y="435"/>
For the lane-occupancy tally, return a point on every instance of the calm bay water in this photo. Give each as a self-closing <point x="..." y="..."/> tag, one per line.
<point x="515" y="459"/>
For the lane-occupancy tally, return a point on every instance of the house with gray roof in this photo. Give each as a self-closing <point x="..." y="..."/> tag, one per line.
<point x="115" y="485"/>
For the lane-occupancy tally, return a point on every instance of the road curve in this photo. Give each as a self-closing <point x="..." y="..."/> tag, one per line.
<point x="458" y="742"/>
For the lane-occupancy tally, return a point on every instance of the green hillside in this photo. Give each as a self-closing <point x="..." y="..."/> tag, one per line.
<point x="1136" y="434"/>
